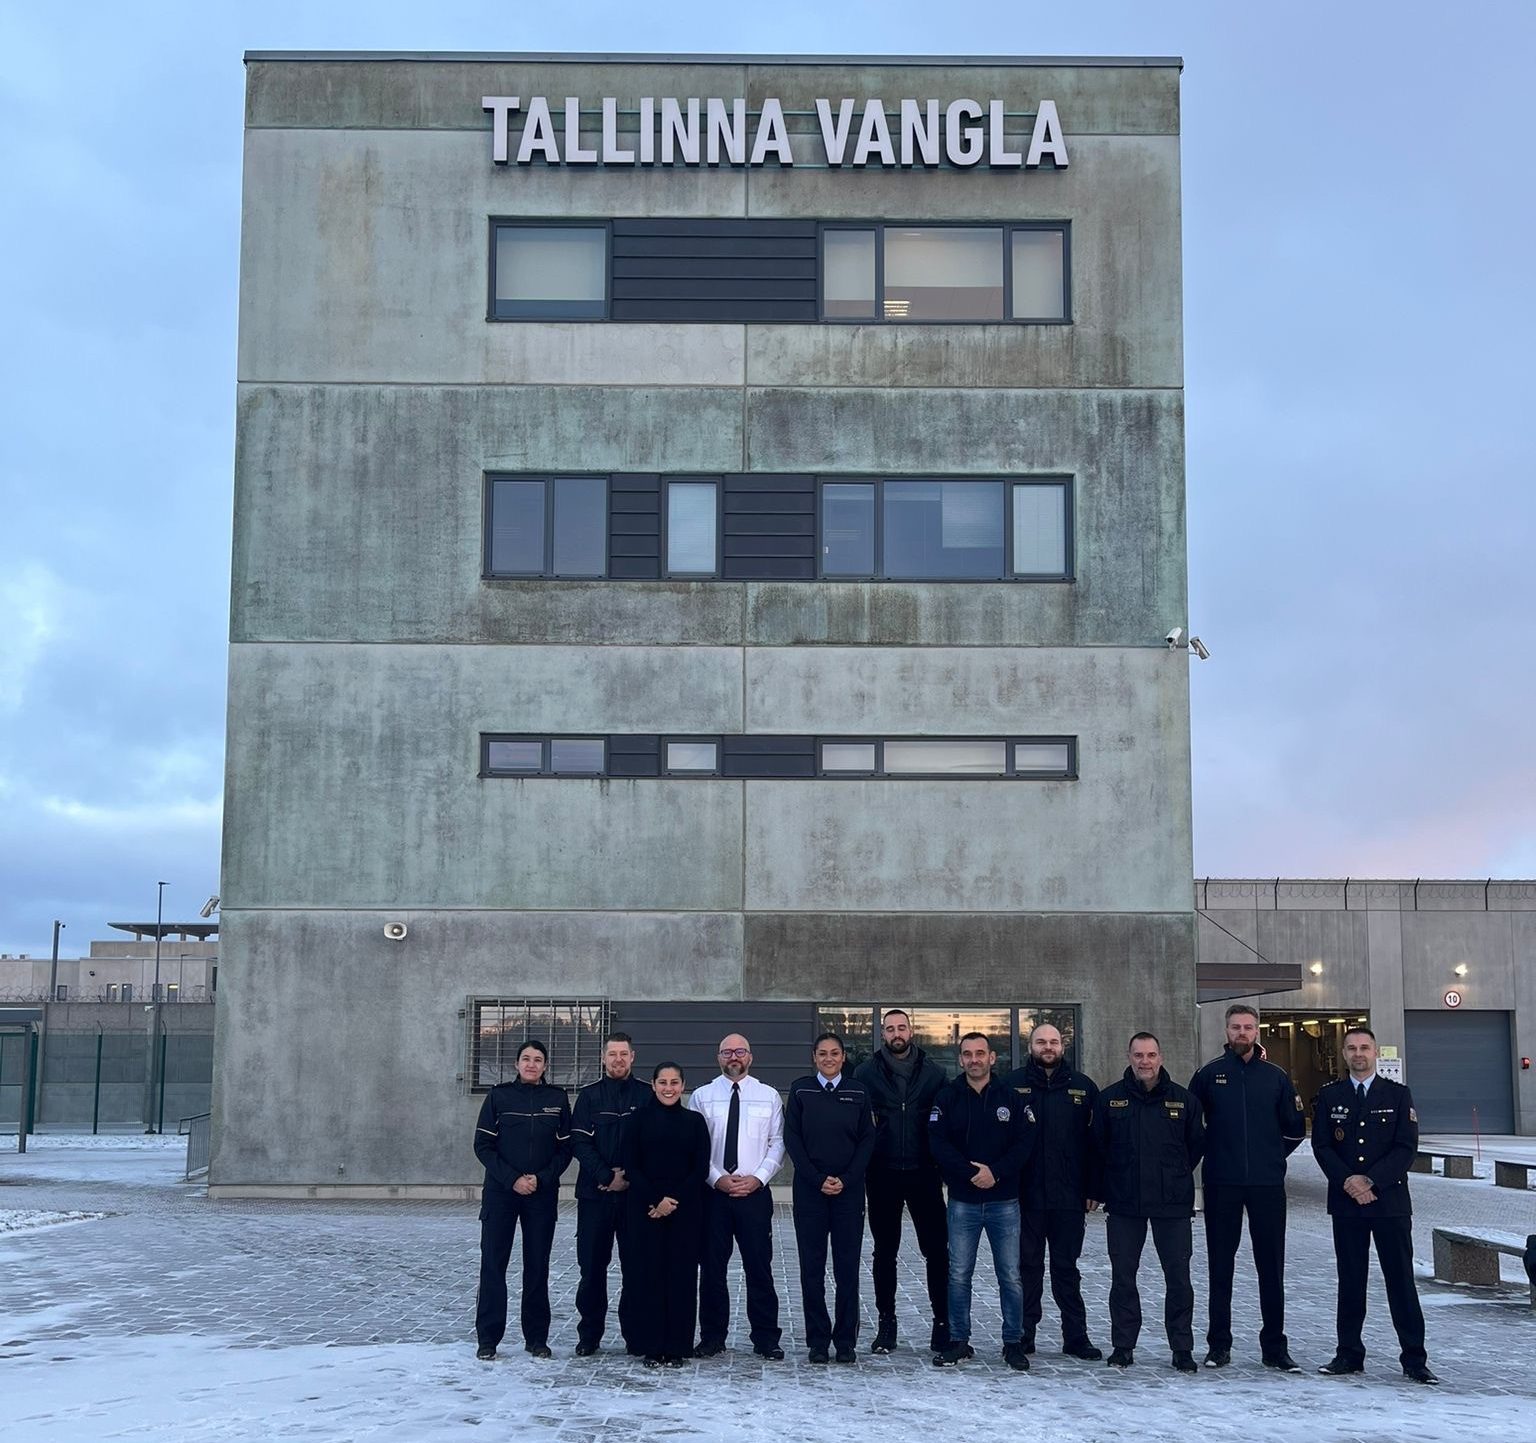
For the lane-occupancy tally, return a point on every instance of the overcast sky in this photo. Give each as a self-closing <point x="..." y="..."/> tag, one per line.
<point x="1359" y="323"/>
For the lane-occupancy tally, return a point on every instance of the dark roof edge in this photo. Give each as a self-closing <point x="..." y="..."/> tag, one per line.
<point x="1103" y="62"/>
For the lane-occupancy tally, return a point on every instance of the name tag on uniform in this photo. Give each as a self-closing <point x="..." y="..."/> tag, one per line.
<point x="1383" y="1112"/>
<point x="1174" y="1107"/>
<point x="550" y="1109"/>
<point x="1221" y="1079"/>
<point x="1119" y="1102"/>
<point x="1339" y="1114"/>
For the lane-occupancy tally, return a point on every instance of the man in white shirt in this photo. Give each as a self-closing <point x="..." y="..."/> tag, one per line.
<point x="746" y="1148"/>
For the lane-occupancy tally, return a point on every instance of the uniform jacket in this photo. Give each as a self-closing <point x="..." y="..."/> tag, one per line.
<point x="1058" y="1174"/>
<point x="1253" y="1120"/>
<point x="523" y="1128"/>
<point x="994" y="1126"/>
<point x="901" y="1122"/>
<point x="829" y="1134"/>
<point x="1147" y="1143"/>
<point x="1378" y="1138"/>
<point x="599" y="1121"/>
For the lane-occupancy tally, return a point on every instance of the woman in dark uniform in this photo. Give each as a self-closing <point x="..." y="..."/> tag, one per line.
<point x="666" y="1159"/>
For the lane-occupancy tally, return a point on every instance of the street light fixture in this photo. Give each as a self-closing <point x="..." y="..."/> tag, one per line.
<point x="53" y="975"/>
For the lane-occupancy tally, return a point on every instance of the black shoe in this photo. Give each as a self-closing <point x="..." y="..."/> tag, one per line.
<point x="654" y="1360"/>
<point x="486" y="1355"/>
<point x="846" y="1355"/>
<point x="671" y="1361"/>
<point x="818" y="1355"/>
<point x="885" y="1336"/>
<point x="1121" y="1358"/>
<point x="709" y="1350"/>
<point x="1028" y="1344"/>
<point x="1337" y="1367"/>
<point x="585" y="1350"/>
<point x="1218" y="1357"/>
<point x="539" y="1350"/>
<point x="1184" y="1362"/>
<point x="773" y="1355"/>
<point x="1016" y="1356"/>
<point x="1283" y="1362"/>
<point x="953" y="1355"/>
<point x="1082" y="1348"/>
<point x="938" y="1340"/>
<point x="1420" y="1373"/>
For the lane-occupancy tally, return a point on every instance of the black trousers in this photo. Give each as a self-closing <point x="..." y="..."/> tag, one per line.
<point x="1062" y="1230"/>
<point x="499" y="1220"/>
<point x="922" y="1194"/>
<point x="746" y="1223"/>
<point x="840" y="1220"/>
<point x="1174" y="1239"/>
<point x="599" y="1223"/>
<point x="1224" y="1205"/>
<point x="1394" y="1251"/>
<point x="661" y="1273"/>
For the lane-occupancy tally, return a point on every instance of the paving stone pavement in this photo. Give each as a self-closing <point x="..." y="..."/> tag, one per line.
<point x="167" y="1261"/>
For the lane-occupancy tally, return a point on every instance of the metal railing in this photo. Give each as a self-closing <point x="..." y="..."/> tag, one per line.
<point x="198" y="1130"/>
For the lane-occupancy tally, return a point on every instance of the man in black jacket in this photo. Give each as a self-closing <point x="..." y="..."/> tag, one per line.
<point x="523" y="1139"/>
<point x="1253" y="1122"/>
<point x="1149" y="1138"/>
<point x="902" y="1081"/>
<point x="829" y="1136"/>
<point x="982" y="1135"/>
<point x="1053" y="1190"/>
<point x="1365" y="1135"/>
<point x="598" y="1124"/>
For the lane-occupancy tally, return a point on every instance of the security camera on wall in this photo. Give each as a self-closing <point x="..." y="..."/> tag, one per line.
<point x="1199" y="648"/>
<point x="396" y="931"/>
<point x="1174" y="637"/>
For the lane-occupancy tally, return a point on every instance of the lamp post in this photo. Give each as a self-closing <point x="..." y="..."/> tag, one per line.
<point x="150" y="1120"/>
<point x="53" y="975"/>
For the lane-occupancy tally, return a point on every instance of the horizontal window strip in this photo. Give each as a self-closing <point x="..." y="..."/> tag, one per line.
<point x="775" y="756"/>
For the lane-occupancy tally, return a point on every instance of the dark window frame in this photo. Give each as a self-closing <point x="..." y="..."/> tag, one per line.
<point x="546" y="755"/>
<point x="1008" y="227"/>
<point x="1018" y="1051"/>
<point x="665" y="533"/>
<point x="549" y="480"/>
<point x="1069" y="518"/>
<point x="514" y="222"/>
<point x="668" y="739"/>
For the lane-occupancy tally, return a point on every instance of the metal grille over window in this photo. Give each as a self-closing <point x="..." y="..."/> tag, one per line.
<point x="572" y="1031"/>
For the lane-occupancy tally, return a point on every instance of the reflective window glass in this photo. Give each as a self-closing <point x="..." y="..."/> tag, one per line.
<point x="515" y="756"/>
<point x="848" y="529"/>
<point x="947" y="273"/>
<point x="943" y="530"/>
<point x="517" y="528"/>
<point x="949" y="758"/>
<point x="1040" y="530"/>
<point x="576" y="756"/>
<point x="847" y="756"/>
<point x="693" y="756"/>
<point x="581" y="526"/>
<point x="848" y="273"/>
<point x="1064" y="1019"/>
<point x="551" y="271"/>
<point x="856" y="1026"/>
<point x="1039" y="275"/>
<point x="1041" y="757"/>
<point x="938" y="1033"/>
<point x="691" y="527"/>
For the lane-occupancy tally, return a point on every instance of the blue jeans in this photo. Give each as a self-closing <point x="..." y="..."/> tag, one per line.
<point x="1000" y="1221"/>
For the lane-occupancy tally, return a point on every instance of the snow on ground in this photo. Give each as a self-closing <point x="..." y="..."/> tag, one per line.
<point x="18" y="1220"/>
<point x="200" y="1390"/>
<point x="130" y="1158"/>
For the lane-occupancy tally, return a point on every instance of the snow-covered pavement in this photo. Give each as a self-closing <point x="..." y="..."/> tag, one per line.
<point x="159" y="1315"/>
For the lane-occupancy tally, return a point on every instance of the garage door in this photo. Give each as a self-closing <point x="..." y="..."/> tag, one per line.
<point x="1457" y="1061"/>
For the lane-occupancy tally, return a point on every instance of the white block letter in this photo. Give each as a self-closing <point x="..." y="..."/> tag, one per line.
<point x="538" y="134"/>
<point x="997" y="145"/>
<point x="874" y="135"/>
<point x="612" y="155"/>
<point x="675" y="136"/>
<point x="501" y="108"/>
<point x="962" y="143"/>
<point x="1047" y="139"/>
<point x="772" y="135"/>
<point x="574" y="154"/>
<point x="835" y="137"/>
<point x="732" y="131"/>
<point x="647" y="129"/>
<point x="917" y="136"/>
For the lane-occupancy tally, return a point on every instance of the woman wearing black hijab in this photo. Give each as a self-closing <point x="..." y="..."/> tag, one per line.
<point x="666" y="1159"/>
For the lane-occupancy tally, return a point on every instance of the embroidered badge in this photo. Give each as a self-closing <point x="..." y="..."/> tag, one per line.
<point x="1221" y="1079"/>
<point x="1299" y="1107"/>
<point x="1338" y="1134"/>
<point x="934" y="1115"/>
<point x="1029" y="1112"/>
<point x="1412" y="1115"/>
<point x="1003" y="1115"/>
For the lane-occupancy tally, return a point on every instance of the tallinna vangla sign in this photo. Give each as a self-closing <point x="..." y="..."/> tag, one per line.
<point x="716" y="132"/>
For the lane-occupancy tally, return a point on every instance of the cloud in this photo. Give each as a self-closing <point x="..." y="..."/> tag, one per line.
<point x="34" y="603"/>
<point x="158" y="816"/>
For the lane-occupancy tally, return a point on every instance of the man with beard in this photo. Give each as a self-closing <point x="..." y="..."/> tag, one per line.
<point x="902" y="1081"/>
<point x="1053" y="1189"/>
<point x="746" y="1148"/>
<point x="598" y="1123"/>
<point x="1149" y="1138"/>
<point x="1253" y="1122"/>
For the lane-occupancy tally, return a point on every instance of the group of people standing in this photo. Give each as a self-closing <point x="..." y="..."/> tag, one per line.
<point x="678" y="1187"/>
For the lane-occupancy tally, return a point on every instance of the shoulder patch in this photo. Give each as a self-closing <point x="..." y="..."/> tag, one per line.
<point x="934" y="1115"/>
<point x="1412" y="1115"/>
<point x="1299" y="1107"/>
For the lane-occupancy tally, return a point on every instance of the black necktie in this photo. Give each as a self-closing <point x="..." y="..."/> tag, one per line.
<point x="733" y="1128"/>
<point x="826" y="1087"/>
<point x="1360" y="1091"/>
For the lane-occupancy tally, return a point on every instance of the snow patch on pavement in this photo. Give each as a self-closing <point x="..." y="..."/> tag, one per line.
<point x="26" y="1220"/>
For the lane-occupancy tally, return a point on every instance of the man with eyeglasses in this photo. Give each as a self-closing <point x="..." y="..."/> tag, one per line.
<point x="746" y="1148"/>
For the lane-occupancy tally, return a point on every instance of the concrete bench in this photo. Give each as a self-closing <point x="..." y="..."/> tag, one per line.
<point x="1456" y="1164"/>
<point x="1512" y="1174"/>
<point x="1474" y="1257"/>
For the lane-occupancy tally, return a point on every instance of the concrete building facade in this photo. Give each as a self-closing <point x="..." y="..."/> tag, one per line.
<point x="817" y="361"/>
